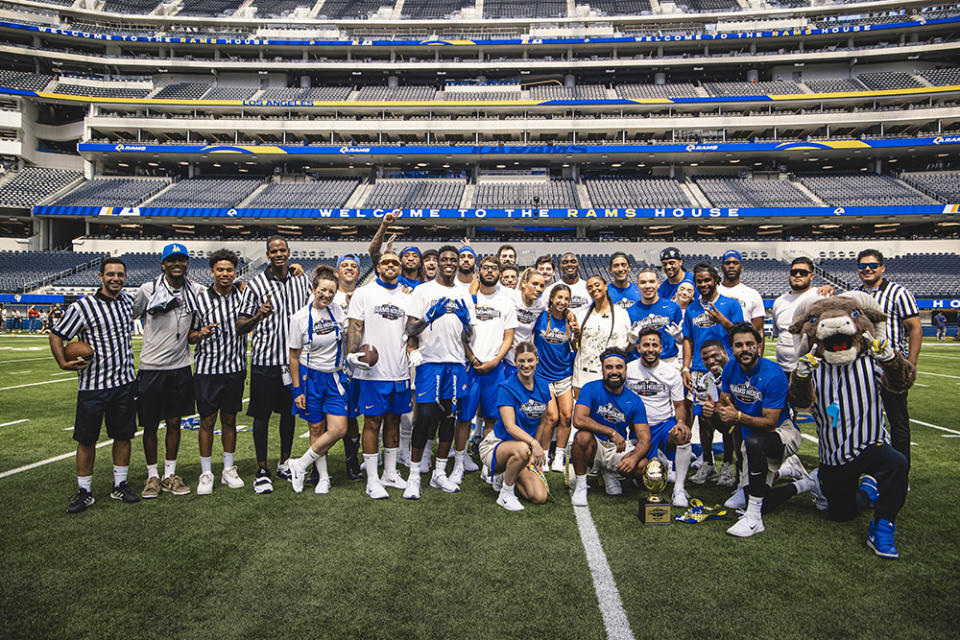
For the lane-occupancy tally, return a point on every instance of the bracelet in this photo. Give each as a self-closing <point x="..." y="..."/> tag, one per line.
<point x="739" y="416"/>
<point x="687" y="369"/>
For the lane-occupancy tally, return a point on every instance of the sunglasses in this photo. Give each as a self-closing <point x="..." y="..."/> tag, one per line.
<point x="873" y="266"/>
<point x="799" y="272"/>
<point x="390" y="263"/>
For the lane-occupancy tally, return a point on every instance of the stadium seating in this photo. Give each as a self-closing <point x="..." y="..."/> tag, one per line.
<point x="23" y="80"/>
<point x="705" y="6"/>
<point x="478" y="96"/>
<point x="130" y="6"/>
<point x="862" y="190"/>
<point x="99" y="92"/>
<point x="524" y="8"/>
<point x="281" y="94"/>
<point x="942" y="185"/>
<point x="279" y="8"/>
<point x="835" y="85"/>
<point x="209" y="7"/>
<point x="351" y="9"/>
<point x="618" y="7"/>
<point x="182" y="91"/>
<point x="751" y="88"/>
<point x="556" y="92"/>
<point x="433" y="8"/>
<point x="229" y="93"/>
<point x="670" y="90"/>
<point x="612" y="191"/>
<point x="19" y="269"/>
<point x="545" y="194"/>
<point x="942" y="77"/>
<point x="213" y="193"/>
<point x="381" y="94"/>
<point x="925" y="275"/>
<point x="330" y="192"/>
<point x="326" y="93"/>
<point x="391" y="194"/>
<point x="746" y="192"/>
<point x="33" y="185"/>
<point x="113" y="192"/>
<point x="888" y="80"/>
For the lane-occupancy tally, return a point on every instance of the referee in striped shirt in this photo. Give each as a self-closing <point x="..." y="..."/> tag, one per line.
<point x="107" y="386"/>
<point x="220" y="368"/>
<point x="904" y="332"/>
<point x="267" y="303"/>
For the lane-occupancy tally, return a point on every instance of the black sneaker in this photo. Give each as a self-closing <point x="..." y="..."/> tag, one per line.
<point x="81" y="501"/>
<point x="351" y="449"/>
<point x="262" y="482"/>
<point x="313" y="478"/>
<point x="122" y="492"/>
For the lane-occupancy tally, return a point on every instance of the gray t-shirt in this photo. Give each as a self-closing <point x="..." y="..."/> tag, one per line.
<point x="165" y="343"/>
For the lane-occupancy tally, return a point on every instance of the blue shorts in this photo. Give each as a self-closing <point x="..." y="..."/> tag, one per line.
<point x="508" y="370"/>
<point x="352" y="389"/>
<point x="481" y="394"/>
<point x="383" y="396"/>
<point x="658" y="438"/>
<point x="438" y="381"/>
<point x="326" y="394"/>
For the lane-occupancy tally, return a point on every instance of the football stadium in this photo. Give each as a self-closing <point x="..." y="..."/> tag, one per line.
<point x="432" y="307"/>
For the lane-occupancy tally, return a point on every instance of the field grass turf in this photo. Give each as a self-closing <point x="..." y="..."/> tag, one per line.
<point x="237" y="565"/>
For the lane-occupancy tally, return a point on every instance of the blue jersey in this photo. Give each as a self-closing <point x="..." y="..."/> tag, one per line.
<point x="700" y="327"/>
<point x="407" y="282"/>
<point x="624" y="298"/>
<point x="763" y="387"/>
<point x="553" y="348"/>
<point x="667" y="291"/>
<point x="617" y="411"/>
<point x="658" y="315"/>
<point x="528" y="406"/>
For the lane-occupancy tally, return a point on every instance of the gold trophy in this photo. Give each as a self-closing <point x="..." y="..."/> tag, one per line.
<point x="653" y="509"/>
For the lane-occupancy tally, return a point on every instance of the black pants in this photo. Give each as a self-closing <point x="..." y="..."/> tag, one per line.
<point x="840" y="484"/>
<point x="895" y="404"/>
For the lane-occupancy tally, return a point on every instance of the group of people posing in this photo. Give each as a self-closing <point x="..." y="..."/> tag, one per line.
<point x="477" y="356"/>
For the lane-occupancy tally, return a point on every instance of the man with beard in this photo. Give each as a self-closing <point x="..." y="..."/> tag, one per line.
<point x="410" y="259"/>
<point x="621" y="291"/>
<point x="507" y="255"/>
<point x="654" y="312"/>
<point x="751" y="302"/>
<point x="466" y="268"/>
<point x="570" y="276"/>
<point x="431" y="265"/>
<point x="671" y="261"/>
<point x="605" y="413"/>
<point x="378" y="317"/>
<point x="491" y="341"/>
<point x="785" y="308"/>
<point x="706" y="392"/>
<point x="754" y="398"/>
<point x="660" y="387"/>
<point x="441" y="318"/>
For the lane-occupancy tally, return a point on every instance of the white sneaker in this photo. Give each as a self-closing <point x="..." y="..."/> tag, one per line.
<point x="672" y="476"/>
<point x="442" y="482"/>
<point x="231" y="478"/>
<point x="819" y="500"/>
<point x="283" y="470"/>
<point x="611" y="483"/>
<point x="738" y="500"/>
<point x="403" y="457"/>
<point x="579" y="497"/>
<point x="424" y="465"/>
<point x="205" y="485"/>
<point x="681" y="499"/>
<point x="497" y="482"/>
<point x="727" y="476"/>
<point x="456" y="476"/>
<point x="469" y="465"/>
<point x="297" y="475"/>
<point x="485" y="475"/>
<point x="704" y="473"/>
<point x="396" y="482"/>
<point x="323" y="487"/>
<point x="509" y="502"/>
<point x="746" y="526"/>
<point x="376" y="491"/>
<point x="412" y="490"/>
<point x="557" y="465"/>
<point x="792" y="468"/>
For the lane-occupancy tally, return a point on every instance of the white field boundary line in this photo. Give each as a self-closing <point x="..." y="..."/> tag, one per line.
<point x="21" y="421"/>
<point x="933" y="426"/>
<point x="65" y="456"/>
<point x="34" y="384"/>
<point x="3" y="362"/>
<point x="939" y="375"/>
<point x="611" y="606"/>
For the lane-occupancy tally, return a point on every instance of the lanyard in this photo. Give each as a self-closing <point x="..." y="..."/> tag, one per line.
<point x="336" y="329"/>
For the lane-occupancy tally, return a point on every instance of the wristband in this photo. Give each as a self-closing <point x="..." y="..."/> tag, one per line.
<point x="295" y="391"/>
<point x="687" y="369"/>
<point x="739" y="416"/>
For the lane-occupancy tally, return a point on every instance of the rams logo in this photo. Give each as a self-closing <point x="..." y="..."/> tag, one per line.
<point x="611" y="414"/>
<point x="389" y="311"/>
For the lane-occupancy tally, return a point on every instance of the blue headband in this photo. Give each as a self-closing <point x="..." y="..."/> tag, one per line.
<point x="732" y="253"/>
<point x="468" y="250"/>
<point x="345" y="257"/>
<point x="613" y="355"/>
<point x="408" y="249"/>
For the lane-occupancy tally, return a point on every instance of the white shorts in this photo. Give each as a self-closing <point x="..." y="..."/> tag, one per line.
<point x="607" y="457"/>
<point x="582" y="376"/>
<point x="791" y="439"/>
<point x="488" y="447"/>
<point x="561" y="387"/>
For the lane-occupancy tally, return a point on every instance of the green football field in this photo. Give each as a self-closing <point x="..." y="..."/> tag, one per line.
<point x="238" y="565"/>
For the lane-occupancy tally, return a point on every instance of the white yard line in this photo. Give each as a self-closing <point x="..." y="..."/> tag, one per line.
<point x="611" y="606"/>
<point x="939" y="375"/>
<point x="810" y="438"/>
<point x="933" y="426"/>
<point x="34" y="384"/>
<point x="7" y="424"/>
<point x="3" y="362"/>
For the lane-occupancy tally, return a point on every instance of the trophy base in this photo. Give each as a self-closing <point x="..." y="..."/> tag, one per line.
<point x="655" y="512"/>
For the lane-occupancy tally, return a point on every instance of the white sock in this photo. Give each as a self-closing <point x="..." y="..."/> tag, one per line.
<point x="169" y="468"/>
<point x="458" y="457"/>
<point x="390" y="463"/>
<point x="152" y="471"/>
<point x="441" y="468"/>
<point x="85" y="482"/>
<point x="754" y="505"/>
<point x="507" y="489"/>
<point x="321" y="464"/>
<point x="682" y="462"/>
<point x="581" y="481"/>
<point x="371" y="467"/>
<point x="414" y="470"/>
<point x="119" y="474"/>
<point x="205" y="464"/>
<point x="227" y="460"/>
<point x="427" y="450"/>
<point x="308" y="458"/>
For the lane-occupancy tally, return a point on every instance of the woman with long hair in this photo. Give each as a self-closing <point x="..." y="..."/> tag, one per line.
<point x="604" y="325"/>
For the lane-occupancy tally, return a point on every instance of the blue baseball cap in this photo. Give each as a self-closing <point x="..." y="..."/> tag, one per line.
<point x="174" y="249"/>
<point x="345" y="257"/>
<point x="732" y="253"/>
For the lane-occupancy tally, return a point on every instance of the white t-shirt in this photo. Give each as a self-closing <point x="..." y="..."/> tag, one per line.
<point x="595" y="336"/>
<point x="383" y="312"/>
<point x="526" y="318"/>
<point x="495" y="314"/>
<point x="440" y="342"/>
<point x="784" y="310"/>
<point x="659" y="388"/>
<point x="750" y="300"/>
<point x="579" y="298"/>
<point x="322" y="351"/>
<point x="462" y="285"/>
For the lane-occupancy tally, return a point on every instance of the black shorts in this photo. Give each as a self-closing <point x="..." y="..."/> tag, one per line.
<point x="117" y="407"/>
<point x="162" y="395"/>
<point x="268" y="393"/>
<point x="219" y="392"/>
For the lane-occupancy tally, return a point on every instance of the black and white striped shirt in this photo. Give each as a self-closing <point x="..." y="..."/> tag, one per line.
<point x="225" y="351"/>
<point x="269" y="338"/>
<point x="899" y="304"/>
<point x="854" y="390"/>
<point x="105" y="324"/>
